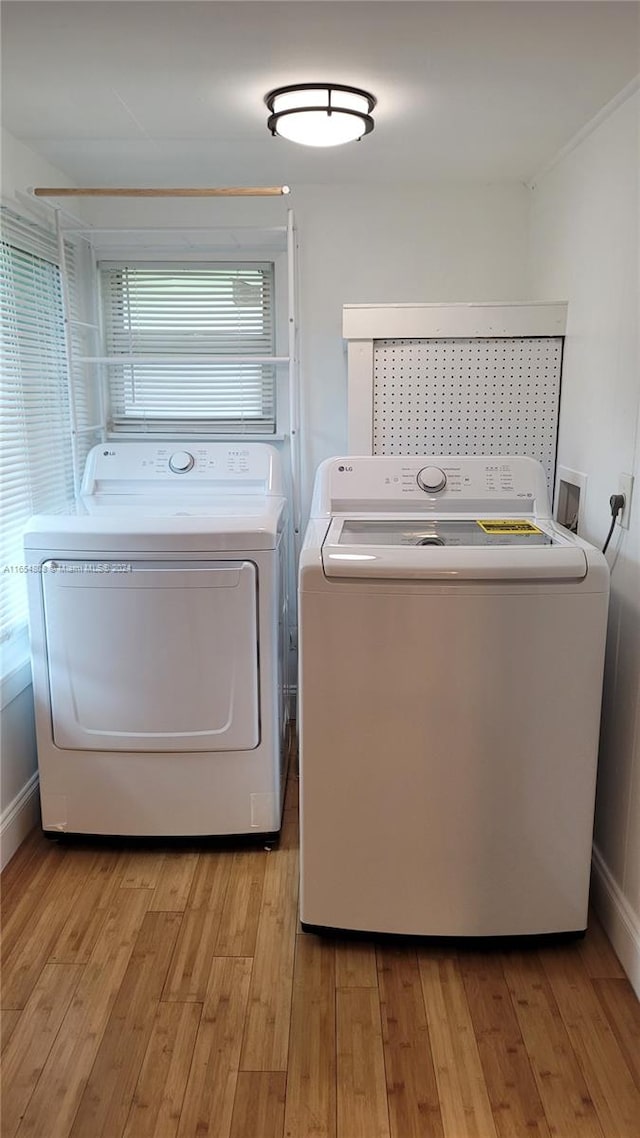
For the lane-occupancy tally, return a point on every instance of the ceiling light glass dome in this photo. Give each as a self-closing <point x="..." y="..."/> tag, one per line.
<point x="320" y="114"/>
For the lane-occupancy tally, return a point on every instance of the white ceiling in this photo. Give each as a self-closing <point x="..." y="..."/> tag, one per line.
<point x="160" y="92"/>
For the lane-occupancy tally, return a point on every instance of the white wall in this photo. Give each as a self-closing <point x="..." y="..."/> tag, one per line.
<point x="584" y="248"/>
<point x="23" y="169"/>
<point x="362" y="244"/>
<point x="17" y="772"/>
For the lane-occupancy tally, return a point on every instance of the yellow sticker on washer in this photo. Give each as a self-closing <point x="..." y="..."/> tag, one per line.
<point x="507" y="525"/>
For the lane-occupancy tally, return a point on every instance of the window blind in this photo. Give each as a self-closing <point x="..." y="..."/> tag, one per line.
<point x="179" y="315"/>
<point x="36" y="472"/>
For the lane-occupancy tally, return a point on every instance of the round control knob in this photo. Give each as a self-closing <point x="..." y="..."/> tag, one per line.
<point x="432" y="479"/>
<point x="181" y="461"/>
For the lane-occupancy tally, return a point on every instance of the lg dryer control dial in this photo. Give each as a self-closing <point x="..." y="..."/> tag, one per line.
<point x="432" y="479"/>
<point x="181" y="462"/>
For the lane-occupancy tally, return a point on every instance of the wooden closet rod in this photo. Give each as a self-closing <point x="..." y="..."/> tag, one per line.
<point x="182" y="192"/>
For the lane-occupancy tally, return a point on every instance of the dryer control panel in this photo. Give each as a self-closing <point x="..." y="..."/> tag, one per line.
<point x="442" y="484"/>
<point x="142" y="467"/>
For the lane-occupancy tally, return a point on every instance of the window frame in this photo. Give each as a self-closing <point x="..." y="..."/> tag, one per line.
<point x="205" y="428"/>
<point x="32" y="239"/>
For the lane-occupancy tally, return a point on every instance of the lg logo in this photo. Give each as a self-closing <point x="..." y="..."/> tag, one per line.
<point x="345" y="469"/>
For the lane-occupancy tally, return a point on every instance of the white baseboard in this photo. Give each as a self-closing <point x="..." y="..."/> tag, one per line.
<point x="19" y="819"/>
<point x="618" y="919"/>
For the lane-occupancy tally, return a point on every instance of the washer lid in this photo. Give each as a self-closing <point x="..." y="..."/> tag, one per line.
<point x="494" y="548"/>
<point x="452" y="532"/>
<point x="138" y="524"/>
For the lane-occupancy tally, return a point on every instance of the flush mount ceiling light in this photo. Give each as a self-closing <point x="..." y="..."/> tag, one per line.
<point x="320" y="114"/>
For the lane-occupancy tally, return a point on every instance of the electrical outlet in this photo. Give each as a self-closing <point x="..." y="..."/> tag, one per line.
<point x="625" y="486"/>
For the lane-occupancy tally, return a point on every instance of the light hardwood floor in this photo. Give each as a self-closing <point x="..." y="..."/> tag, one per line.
<point x="169" y="993"/>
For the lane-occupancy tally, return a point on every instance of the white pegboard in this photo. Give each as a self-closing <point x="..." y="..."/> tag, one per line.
<point x="468" y="396"/>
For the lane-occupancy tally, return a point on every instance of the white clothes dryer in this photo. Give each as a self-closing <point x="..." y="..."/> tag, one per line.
<point x="451" y="656"/>
<point x="157" y="614"/>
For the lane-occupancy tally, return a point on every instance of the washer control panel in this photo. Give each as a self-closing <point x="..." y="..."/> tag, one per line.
<point x="443" y="484"/>
<point x="431" y="479"/>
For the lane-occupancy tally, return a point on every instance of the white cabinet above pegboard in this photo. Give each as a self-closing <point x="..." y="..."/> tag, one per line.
<point x="455" y="379"/>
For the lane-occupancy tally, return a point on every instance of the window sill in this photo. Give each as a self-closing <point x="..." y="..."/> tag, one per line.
<point x="216" y="437"/>
<point x="14" y="682"/>
<point x="15" y="667"/>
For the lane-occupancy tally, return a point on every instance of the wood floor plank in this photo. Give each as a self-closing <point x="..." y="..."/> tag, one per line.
<point x="188" y="973"/>
<point x="266" y="1038"/>
<point x="22" y="856"/>
<point x="356" y="964"/>
<point x="241" y="911"/>
<point x="20" y="901"/>
<point x="31" y="1042"/>
<point x="258" y="1110"/>
<point x="209" y="1098"/>
<point x="142" y="869"/>
<point x="175" y="880"/>
<point x="106" y="1101"/>
<point x="568" y="1106"/>
<point x="8" y="1022"/>
<point x="195" y="947"/>
<point x="28" y="859"/>
<point x="361" y="1099"/>
<point x="143" y="1015"/>
<point x="22" y="966"/>
<point x="622" y="1009"/>
<point x="513" y="1094"/>
<point x="311" y="1076"/>
<point x="70" y="1060"/>
<point x="159" y="1094"/>
<point x="412" y="1092"/>
<point x="598" y="958"/>
<point x="210" y="880"/>
<point x="80" y="931"/>
<point x="292" y="793"/>
<point x="464" y="1100"/>
<point x="290" y="831"/>
<point x="611" y="1085"/>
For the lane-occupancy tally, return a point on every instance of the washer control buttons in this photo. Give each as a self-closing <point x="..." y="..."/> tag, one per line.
<point x="181" y="462"/>
<point x="432" y="479"/>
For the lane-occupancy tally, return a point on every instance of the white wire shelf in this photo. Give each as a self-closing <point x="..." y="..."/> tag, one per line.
<point x="125" y="229"/>
<point x="183" y="359"/>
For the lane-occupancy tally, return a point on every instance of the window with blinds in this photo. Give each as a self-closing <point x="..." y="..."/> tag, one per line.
<point x="36" y="468"/>
<point x="192" y="340"/>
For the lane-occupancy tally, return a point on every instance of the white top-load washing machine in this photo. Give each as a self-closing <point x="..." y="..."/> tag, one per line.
<point x="157" y="620"/>
<point x="451" y="656"/>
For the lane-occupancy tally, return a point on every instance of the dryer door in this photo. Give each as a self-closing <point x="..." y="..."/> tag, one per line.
<point x="152" y="656"/>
